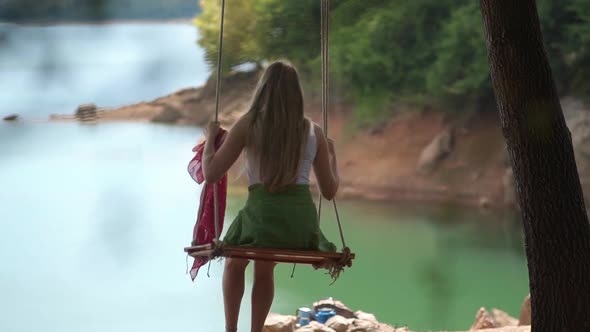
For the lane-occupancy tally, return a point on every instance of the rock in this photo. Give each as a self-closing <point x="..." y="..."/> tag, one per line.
<point x="339" y="307"/>
<point x="483" y="320"/>
<point x="338" y="324"/>
<point x="168" y="115"/>
<point x="377" y="130"/>
<point x="402" y="329"/>
<point x="359" y="325"/>
<point x="578" y="122"/>
<point x="315" y="327"/>
<point x="386" y="328"/>
<point x="503" y="319"/>
<point x="11" y="117"/>
<point x="484" y="202"/>
<point x="279" y="323"/>
<point x="438" y="149"/>
<point x="572" y="107"/>
<point x="86" y="112"/>
<point x="366" y="316"/>
<point x="508" y="329"/>
<point x="525" y="312"/>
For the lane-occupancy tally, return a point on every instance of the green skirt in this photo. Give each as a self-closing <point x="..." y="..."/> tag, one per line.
<point x="285" y="220"/>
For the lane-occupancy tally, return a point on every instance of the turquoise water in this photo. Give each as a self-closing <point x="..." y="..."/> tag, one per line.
<point x="94" y="218"/>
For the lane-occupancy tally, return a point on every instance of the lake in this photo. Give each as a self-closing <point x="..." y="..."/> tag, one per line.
<point x="94" y="217"/>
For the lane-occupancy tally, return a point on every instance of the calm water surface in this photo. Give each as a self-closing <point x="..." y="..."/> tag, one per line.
<point x="94" y="218"/>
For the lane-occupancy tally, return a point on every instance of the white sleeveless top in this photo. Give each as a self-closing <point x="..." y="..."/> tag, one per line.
<point x="253" y="163"/>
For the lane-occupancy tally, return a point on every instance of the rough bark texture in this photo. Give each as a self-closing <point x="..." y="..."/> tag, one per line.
<point x="557" y="233"/>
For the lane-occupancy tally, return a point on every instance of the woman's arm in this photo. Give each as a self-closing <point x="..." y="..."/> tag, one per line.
<point x="216" y="164"/>
<point x="325" y="166"/>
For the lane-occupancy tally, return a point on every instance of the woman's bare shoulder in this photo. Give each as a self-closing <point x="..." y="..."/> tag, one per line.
<point x="242" y="123"/>
<point x="316" y="127"/>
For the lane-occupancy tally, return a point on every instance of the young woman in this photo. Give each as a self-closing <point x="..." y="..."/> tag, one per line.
<point x="281" y="147"/>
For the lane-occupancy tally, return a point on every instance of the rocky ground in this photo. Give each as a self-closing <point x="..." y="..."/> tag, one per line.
<point x="346" y="320"/>
<point x="420" y="155"/>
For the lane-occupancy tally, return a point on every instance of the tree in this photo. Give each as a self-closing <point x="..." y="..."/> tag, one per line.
<point x="242" y="25"/>
<point x="557" y="233"/>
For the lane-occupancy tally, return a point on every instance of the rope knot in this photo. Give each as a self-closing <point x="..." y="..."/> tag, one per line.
<point x="217" y="250"/>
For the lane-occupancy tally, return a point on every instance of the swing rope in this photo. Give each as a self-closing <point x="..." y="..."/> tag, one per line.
<point x="217" y="92"/>
<point x="325" y="30"/>
<point x="334" y="262"/>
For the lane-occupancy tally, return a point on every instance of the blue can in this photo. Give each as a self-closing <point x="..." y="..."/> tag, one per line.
<point x="324" y="314"/>
<point x="304" y="314"/>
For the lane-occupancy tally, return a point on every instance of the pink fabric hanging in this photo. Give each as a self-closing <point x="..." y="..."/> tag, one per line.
<point x="204" y="230"/>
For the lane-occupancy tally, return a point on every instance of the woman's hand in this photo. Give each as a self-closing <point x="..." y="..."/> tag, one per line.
<point x="212" y="130"/>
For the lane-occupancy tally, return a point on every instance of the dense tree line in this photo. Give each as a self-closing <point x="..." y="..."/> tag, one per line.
<point x="383" y="51"/>
<point x="95" y="10"/>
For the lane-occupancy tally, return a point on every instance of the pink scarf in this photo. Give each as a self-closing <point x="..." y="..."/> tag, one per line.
<point x="204" y="231"/>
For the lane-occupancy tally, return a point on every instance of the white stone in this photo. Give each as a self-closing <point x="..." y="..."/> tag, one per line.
<point x="483" y="320"/>
<point x="365" y="316"/>
<point x="360" y="325"/>
<point x="279" y="323"/>
<point x="503" y="319"/>
<point x="338" y="323"/>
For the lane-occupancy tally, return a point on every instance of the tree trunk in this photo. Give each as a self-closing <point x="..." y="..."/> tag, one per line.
<point x="557" y="233"/>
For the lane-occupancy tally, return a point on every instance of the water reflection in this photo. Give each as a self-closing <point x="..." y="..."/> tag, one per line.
<point x="434" y="275"/>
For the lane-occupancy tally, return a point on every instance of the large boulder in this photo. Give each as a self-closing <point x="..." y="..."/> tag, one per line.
<point x="337" y="306"/>
<point x="525" y="312"/>
<point x="438" y="149"/>
<point x="279" y="323"/>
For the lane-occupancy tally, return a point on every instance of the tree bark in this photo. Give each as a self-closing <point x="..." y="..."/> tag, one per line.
<point x="557" y="233"/>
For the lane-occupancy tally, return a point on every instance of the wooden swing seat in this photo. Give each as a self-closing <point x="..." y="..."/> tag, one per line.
<point x="268" y="254"/>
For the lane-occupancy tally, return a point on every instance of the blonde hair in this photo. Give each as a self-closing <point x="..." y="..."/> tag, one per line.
<point x="278" y="126"/>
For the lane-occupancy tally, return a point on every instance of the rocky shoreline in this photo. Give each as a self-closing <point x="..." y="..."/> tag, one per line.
<point x="416" y="156"/>
<point x="340" y="318"/>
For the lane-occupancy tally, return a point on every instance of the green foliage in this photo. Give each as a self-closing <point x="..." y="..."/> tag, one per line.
<point x="240" y="28"/>
<point x="460" y="68"/>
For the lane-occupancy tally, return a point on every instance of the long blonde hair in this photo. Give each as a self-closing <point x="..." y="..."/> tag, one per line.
<point x="278" y="126"/>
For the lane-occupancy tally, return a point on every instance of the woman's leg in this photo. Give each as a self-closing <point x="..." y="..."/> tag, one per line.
<point x="233" y="290"/>
<point x="262" y="293"/>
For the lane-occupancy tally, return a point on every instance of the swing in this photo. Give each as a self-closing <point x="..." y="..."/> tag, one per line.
<point x="334" y="262"/>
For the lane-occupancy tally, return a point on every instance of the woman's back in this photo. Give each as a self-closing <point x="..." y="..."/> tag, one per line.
<point x="306" y="162"/>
